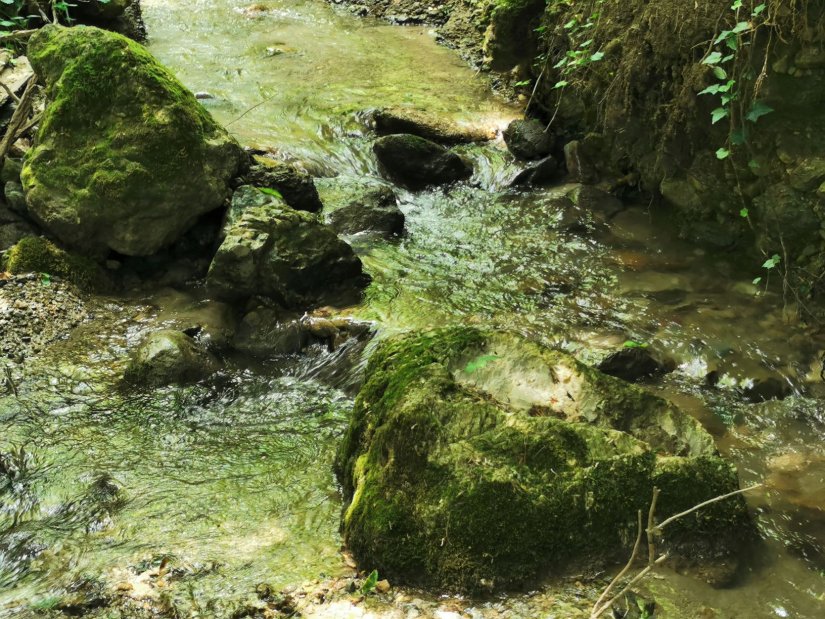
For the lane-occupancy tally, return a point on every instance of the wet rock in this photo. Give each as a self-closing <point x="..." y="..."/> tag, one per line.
<point x="353" y="205"/>
<point x="264" y="332"/>
<point x="633" y="364"/>
<point x="418" y="163"/>
<point x="126" y="158"/>
<point x="287" y="255"/>
<point x="581" y="161"/>
<point x="543" y="172"/>
<point x="390" y="121"/>
<point x="13" y="228"/>
<point x="13" y="75"/>
<point x="764" y="389"/>
<point x="15" y="197"/>
<point x="446" y="420"/>
<point x="169" y="357"/>
<point x="294" y="185"/>
<point x="97" y="10"/>
<point x="528" y="139"/>
<point x="11" y="170"/>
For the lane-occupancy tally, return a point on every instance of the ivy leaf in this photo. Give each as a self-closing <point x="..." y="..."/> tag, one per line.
<point x="744" y="213"/>
<point x="772" y="262"/>
<point x="736" y="5"/>
<point x="758" y="110"/>
<point x="370" y="582"/>
<point x="720" y="73"/>
<point x="712" y="90"/>
<point x="722" y="153"/>
<point x="523" y="83"/>
<point x="741" y="27"/>
<point x="758" y="10"/>
<point x="756" y="281"/>
<point x="718" y="114"/>
<point x="713" y="58"/>
<point x="738" y="137"/>
<point x="597" y="56"/>
<point x="561" y="84"/>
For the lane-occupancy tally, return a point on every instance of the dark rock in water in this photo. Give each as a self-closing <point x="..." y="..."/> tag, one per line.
<point x="353" y="205"/>
<point x="15" y="197"/>
<point x="418" y="163"/>
<point x="263" y="332"/>
<point x="600" y="203"/>
<point x="126" y="158"/>
<point x="632" y="364"/>
<point x="275" y="251"/>
<point x="295" y="186"/>
<point x="11" y="170"/>
<point x="542" y="172"/>
<point x="448" y="419"/>
<point x="580" y="158"/>
<point x="390" y="121"/>
<point x="764" y="389"/>
<point x="528" y="139"/>
<point x="169" y="357"/>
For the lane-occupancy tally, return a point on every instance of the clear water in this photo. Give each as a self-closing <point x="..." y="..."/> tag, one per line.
<point x="230" y="480"/>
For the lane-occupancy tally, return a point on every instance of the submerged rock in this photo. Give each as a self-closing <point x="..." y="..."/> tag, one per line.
<point x="125" y="158"/>
<point x="632" y="364"/>
<point x="418" y="163"/>
<point x="272" y="250"/>
<point x="295" y="186"/>
<point x="528" y="139"/>
<point x="353" y="205"/>
<point x="167" y="357"/>
<point x="477" y="461"/>
<point x="390" y="121"/>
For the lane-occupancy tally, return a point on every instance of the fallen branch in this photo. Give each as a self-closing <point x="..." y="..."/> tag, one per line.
<point x="17" y="35"/>
<point x="652" y="530"/>
<point x="19" y="118"/>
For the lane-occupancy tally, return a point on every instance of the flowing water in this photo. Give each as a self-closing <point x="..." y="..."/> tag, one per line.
<point x="230" y="481"/>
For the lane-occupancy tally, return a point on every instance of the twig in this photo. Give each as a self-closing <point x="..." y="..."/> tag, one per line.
<point x="651" y="531"/>
<point x="600" y="611"/>
<point x="17" y="34"/>
<point x="627" y="567"/>
<point x="9" y="92"/>
<point x="706" y="503"/>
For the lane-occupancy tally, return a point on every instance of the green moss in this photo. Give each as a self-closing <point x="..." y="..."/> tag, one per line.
<point x="447" y="486"/>
<point x="38" y="255"/>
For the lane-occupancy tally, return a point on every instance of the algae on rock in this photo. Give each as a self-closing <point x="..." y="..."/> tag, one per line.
<point x="35" y="254"/>
<point x="125" y="158"/>
<point x="449" y="484"/>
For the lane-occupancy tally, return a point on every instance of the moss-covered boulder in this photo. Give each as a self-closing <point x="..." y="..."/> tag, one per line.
<point x="359" y="204"/>
<point x="418" y="163"/>
<point x="477" y="461"/>
<point x="35" y="254"/>
<point x="125" y="158"/>
<point x="272" y="250"/>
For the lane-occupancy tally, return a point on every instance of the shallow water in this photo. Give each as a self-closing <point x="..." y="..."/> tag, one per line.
<point x="231" y="479"/>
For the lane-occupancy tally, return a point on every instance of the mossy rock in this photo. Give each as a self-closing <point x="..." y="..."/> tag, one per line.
<point x="125" y="158"/>
<point x="35" y="254"/>
<point x="169" y="357"/>
<point x="447" y="484"/>
<point x="272" y="250"/>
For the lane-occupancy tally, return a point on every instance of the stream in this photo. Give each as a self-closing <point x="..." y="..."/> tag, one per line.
<point x="230" y="481"/>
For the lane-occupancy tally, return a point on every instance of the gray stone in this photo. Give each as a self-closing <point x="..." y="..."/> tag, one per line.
<point x="167" y="357"/>
<point x="418" y="163"/>
<point x="353" y="205"/>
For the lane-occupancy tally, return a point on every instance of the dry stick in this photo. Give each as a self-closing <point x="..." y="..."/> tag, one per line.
<point x="627" y="567"/>
<point x="18" y="119"/>
<point x="9" y="92"/>
<point x="651" y="540"/>
<point x="709" y="502"/>
<point x="600" y="611"/>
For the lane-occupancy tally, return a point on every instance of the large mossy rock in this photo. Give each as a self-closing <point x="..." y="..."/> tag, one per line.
<point x="272" y="250"/>
<point x="168" y="357"/>
<point x="477" y="461"/>
<point x="360" y="204"/>
<point x="34" y="254"/>
<point x="125" y="158"/>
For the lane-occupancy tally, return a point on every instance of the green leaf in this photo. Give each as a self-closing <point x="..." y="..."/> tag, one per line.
<point x="738" y="137"/>
<point x="561" y="84"/>
<point x="560" y="63"/>
<point x="271" y="192"/>
<point x="724" y="35"/>
<point x="712" y="90"/>
<point x="736" y="5"/>
<point x="758" y="10"/>
<point x="753" y="164"/>
<point x="479" y="363"/>
<point x="756" y="281"/>
<point x="45" y="279"/>
<point x="720" y="73"/>
<point x="772" y="262"/>
<point x="522" y="83"/>
<point x="758" y="110"/>
<point x="718" y="114"/>
<point x="713" y="58"/>
<point x="744" y="213"/>
<point x="570" y="24"/>
<point x="741" y="27"/>
<point x="633" y="344"/>
<point x="722" y="153"/>
<point x="370" y="582"/>
<point x="597" y="56"/>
